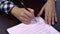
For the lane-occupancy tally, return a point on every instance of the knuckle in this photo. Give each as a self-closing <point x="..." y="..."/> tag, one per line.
<point x="32" y="10"/>
<point x="22" y="14"/>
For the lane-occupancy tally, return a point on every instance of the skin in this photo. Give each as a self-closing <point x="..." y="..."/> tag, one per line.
<point x="50" y="12"/>
<point x="22" y="14"/>
<point x="26" y="16"/>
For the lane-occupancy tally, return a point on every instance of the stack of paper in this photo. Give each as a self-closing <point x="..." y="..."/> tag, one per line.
<point x="37" y="26"/>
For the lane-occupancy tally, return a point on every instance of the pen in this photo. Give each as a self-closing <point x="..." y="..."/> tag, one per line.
<point x="27" y="9"/>
<point x="25" y="6"/>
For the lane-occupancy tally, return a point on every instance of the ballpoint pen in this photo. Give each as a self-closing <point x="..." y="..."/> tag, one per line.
<point x="27" y="9"/>
<point x="25" y="6"/>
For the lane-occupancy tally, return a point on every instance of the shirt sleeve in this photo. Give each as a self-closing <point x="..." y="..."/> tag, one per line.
<point x="6" y="6"/>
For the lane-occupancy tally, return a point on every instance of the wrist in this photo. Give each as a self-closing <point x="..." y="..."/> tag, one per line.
<point x="14" y="9"/>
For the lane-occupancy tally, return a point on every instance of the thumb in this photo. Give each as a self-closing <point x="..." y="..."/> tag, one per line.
<point x="41" y="12"/>
<point x="31" y="10"/>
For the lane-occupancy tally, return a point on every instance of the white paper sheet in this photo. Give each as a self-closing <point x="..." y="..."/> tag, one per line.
<point x="37" y="26"/>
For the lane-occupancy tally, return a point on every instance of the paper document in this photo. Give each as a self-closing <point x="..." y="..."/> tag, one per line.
<point x="37" y="26"/>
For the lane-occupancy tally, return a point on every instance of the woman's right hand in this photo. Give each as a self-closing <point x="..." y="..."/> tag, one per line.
<point x="22" y="14"/>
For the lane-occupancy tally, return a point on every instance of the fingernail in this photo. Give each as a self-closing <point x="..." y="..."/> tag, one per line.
<point x="56" y="20"/>
<point x="53" y="23"/>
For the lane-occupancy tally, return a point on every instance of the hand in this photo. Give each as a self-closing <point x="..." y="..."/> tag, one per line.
<point x="50" y="12"/>
<point x="22" y="14"/>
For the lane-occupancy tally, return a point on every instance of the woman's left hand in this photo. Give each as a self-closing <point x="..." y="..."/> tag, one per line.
<point x="50" y="12"/>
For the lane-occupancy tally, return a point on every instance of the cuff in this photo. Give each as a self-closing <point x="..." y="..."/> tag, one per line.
<point x="6" y="6"/>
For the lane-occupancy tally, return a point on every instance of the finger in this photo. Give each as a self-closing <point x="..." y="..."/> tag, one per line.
<point x="53" y="21"/>
<point x="46" y="16"/>
<point x="53" y="18"/>
<point x="25" y="16"/>
<point x="49" y="20"/>
<point x="24" y="20"/>
<point x="31" y="10"/>
<point x="29" y="14"/>
<point x="56" y="17"/>
<point x="49" y="17"/>
<point x="41" y="12"/>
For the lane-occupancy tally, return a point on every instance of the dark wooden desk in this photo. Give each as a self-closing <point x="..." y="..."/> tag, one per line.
<point x="6" y="22"/>
<point x="57" y="26"/>
<point x="9" y="21"/>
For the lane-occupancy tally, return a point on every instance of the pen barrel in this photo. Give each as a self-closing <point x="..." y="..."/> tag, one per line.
<point x="33" y="4"/>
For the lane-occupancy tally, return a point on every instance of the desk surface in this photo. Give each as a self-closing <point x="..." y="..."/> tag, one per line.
<point x="8" y="21"/>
